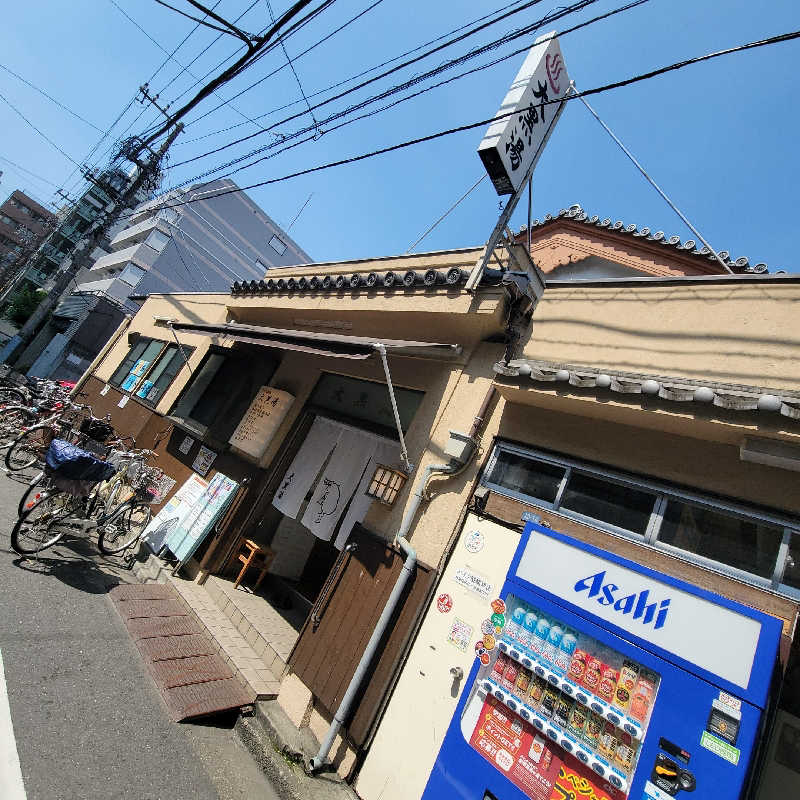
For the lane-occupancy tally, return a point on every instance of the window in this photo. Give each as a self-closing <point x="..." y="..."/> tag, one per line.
<point x="524" y="476"/>
<point x="277" y="245"/>
<point x="750" y="544"/>
<point x="613" y="503"/>
<point x="742" y="543"/>
<point x="157" y="240"/>
<point x="131" y="274"/>
<point x="149" y="368"/>
<point x="221" y="391"/>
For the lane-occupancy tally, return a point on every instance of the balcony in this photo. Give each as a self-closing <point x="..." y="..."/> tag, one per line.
<point x="140" y="255"/>
<point x="135" y="234"/>
<point x="37" y="276"/>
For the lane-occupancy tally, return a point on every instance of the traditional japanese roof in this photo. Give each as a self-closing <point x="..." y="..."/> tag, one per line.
<point x="576" y="213"/>
<point x="733" y="397"/>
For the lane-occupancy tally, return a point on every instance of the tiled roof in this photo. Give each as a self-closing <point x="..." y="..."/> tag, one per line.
<point x="689" y="247"/>
<point x="680" y="390"/>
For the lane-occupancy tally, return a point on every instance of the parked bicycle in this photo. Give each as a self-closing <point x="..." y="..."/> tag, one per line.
<point x="71" y="503"/>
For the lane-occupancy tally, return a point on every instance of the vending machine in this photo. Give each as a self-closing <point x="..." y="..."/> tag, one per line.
<point x="598" y="679"/>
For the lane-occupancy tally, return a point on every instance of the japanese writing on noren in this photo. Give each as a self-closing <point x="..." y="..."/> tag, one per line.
<point x="522" y="133"/>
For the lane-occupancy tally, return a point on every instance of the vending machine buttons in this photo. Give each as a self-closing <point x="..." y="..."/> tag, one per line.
<point x="514" y="654"/>
<point x="582" y="697"/>
<point x="629" y="726"/>
<point x="599" y="707"/>
<point x="582" y="755"/>
<point x="599" y="768"/>
<point x="539" y="670"/>
<point x="617" y="779"/>
<point x="612" y="716"/>
<point x="503" y="646"/>
<point x="553" y="678"/>
<point x="526" y="662"/>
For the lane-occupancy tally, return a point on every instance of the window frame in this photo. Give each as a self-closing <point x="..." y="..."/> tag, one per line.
<point x="664" y="492"/>
<point x="182" y="352"/>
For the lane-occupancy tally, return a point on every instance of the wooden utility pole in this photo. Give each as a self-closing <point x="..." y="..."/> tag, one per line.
<point x="147" y="168"/>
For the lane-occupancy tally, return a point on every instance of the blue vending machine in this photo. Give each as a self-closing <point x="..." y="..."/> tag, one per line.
<point x="599" y="679"/>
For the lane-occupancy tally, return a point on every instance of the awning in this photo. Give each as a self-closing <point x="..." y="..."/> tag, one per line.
<point x="324" y="344"/>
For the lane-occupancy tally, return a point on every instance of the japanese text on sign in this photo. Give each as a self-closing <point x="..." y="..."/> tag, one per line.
<point x="257" y="427"/>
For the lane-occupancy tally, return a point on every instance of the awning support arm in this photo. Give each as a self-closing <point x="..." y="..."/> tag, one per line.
<point x="403" y="451"/>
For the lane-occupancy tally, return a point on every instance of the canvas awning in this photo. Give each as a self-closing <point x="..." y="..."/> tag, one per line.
<point x="324" y="344"/>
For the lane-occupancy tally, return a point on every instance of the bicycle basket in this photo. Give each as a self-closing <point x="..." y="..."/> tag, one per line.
<point x="97" y="429"/>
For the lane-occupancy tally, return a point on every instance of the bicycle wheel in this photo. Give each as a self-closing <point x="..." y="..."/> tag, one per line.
<point x="10" y="395"/>
<point x="29" y="448"/>
<point x="43" y="525"/>
<point x="12" y="421"/>
<point x="35" y="491"/>
<point x="125" y="527"/>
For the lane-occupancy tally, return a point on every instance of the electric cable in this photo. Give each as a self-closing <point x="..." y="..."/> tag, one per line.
<point x="550" y="17"/>
<point x="25" y="169"/>
<point x="50" y="98"/>
<point x="453" y="62"/>
<point x="525" y="6"/>
<point x="678" y="65"/>
<point x="43" y="135"/>
<point x="240" y="35"/>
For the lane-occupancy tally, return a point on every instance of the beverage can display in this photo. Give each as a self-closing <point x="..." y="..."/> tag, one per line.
<point x="563" y="710"/>
<point x="577" y="719"/>
<point x="566" y="649"/>
<point x="514" y="623"/>
<point x="643" y="695"/>
<point x="549" y="700"/>
<point x="499" y="667"/>
<point x="625" y="753"/>
<point x="509" y="679"/>
<point x="577" y="667"/>
<point x="539" y="636"/>
<point x="608" y="682"/>
<point x="608" y="741"/>
<point x="552" y="643"/>
<point x="522" y="685"/>
<point x="593" y="729"/>
<point x="536" y="690"/>
<point x="625" y="685"/>
<point x="527" y="628"/>
<point x="591" y="677"/>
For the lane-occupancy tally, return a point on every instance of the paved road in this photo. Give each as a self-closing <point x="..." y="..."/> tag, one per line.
<point x="87" y="718"/>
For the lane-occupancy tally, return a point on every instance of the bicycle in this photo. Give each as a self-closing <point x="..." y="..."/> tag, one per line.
<point x="31" y="445"/>
<point x="60" y="511"/>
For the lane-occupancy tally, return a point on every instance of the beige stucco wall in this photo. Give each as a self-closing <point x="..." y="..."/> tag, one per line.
<point x="734" y="332"/>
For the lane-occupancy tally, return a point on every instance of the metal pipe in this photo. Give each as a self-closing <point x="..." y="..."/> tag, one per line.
<point x="381" y="348"/>
<point x="318" y="761"/>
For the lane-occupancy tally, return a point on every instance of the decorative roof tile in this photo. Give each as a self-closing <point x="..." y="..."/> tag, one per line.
<point x="576" y="213"/>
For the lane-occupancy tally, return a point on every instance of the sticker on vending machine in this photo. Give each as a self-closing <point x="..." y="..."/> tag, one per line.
<point x="460" y="634"/>
<point x="498" y="606"/>
<point x="444" y="603"/>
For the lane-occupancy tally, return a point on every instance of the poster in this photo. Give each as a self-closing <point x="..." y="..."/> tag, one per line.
<point x="203" y="460"/>
<point x="178" y="507"/>
<point x="460" y="634"/>
<point x="190" y="531"/>
<point x="533" y="763"/>
<point x="262" y="420"/>
<point x="136" y="372"/>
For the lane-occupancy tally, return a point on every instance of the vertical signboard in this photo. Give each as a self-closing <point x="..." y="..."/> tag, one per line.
<point x="257" y="427"/>
<point x="515" y="139"/>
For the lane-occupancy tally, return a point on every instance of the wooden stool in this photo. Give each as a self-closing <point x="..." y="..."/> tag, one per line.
<point x="254" y="555"/>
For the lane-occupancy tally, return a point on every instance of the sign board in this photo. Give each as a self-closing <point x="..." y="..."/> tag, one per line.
<point x="187" y="535"/>
<point x="203" y="460"/>
<point x="512" y="144"/>
<point x="711" y="636"/>
<point x="262" y="420"/>
<point x="173" y="512"/>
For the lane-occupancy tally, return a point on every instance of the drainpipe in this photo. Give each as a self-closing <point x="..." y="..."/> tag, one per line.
<point x="457" y="463"/>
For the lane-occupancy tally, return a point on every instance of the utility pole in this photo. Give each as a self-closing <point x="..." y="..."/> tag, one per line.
<point x="147" y="170"/>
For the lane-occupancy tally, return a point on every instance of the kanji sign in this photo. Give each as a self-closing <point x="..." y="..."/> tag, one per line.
<point x="514" y="141"/>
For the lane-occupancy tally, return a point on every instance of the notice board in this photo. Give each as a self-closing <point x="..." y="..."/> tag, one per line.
<point x="262" y="420"/>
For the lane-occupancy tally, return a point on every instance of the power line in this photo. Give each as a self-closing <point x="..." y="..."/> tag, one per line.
<point x="50" y="97"/>
<point x="261" y="46"/>
<point x="484" y="25"/>
<point x="550" y="17"/>
<point x="25" y="169"/>
<point x="276" y="71"/>
<point x="496" y="43"/>
<point x="43" y="135"/>
<point x="784" y="37"/>
<point x="239" y="35"/>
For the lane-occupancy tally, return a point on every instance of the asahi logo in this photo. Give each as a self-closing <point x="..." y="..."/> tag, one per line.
<point x="638" y="606"/>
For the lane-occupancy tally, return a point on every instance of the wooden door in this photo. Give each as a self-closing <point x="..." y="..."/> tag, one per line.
<point x="342" y="620"/>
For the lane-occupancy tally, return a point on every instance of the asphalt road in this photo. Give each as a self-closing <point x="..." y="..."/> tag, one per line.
<point x="88" y="721"/>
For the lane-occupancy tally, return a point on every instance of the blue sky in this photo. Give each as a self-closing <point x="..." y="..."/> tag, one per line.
<point x="719" y="137"/>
